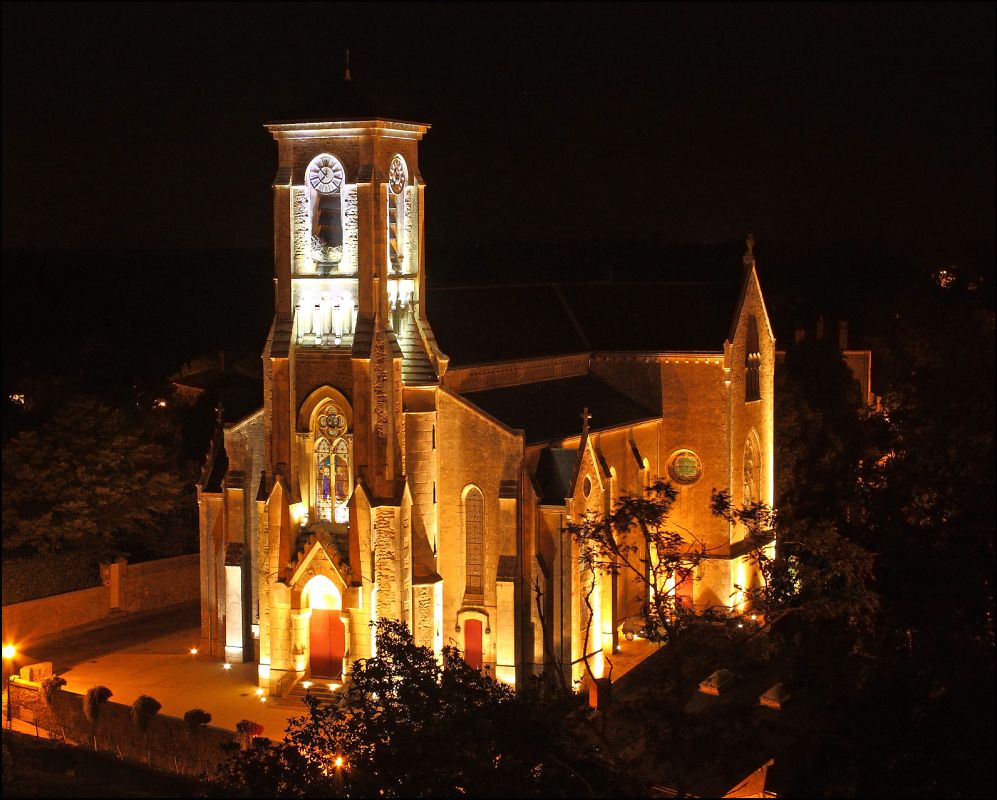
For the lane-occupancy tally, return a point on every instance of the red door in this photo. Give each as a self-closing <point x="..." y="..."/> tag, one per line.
<point x="472" y="642"/>
<point x="683" y="591"/>
<point x="337" y="641"/>
<point x="321" y="643"/>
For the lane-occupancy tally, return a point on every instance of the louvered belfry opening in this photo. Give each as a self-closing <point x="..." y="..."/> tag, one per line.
<point x="752" y="364"/>
<point x="394" y="256"/>
<point x="329" y="223"/>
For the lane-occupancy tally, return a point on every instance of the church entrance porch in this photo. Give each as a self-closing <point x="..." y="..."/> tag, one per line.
<point x="327" y="637"/>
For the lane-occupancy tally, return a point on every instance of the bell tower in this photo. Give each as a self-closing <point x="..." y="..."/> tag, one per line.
<point x="350" y="371"/>
<point x="349" y="280"/>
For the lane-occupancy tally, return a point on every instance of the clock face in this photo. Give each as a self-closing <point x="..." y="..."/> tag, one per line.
<point x="325" y="175"/>
<point x="397" y="176"/>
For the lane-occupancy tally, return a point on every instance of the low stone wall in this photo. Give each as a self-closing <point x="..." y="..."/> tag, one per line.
<point x="128" y="588"/>
<point x="166" y="744"/>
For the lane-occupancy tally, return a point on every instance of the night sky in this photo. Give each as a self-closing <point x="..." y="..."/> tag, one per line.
<point x="139" y="127"/>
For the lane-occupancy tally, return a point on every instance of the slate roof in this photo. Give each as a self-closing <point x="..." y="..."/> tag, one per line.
<point x="479" y="325"/>
<point x="551" y="410"/>
<point x="238" y="393"/>
<point x="683" y="317"/>
<point x="555" y="469"/>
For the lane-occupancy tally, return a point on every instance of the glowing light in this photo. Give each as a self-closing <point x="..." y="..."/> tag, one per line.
<point x="259" y="692"/>
<point x="9" y="651"/>
<point x="226" y="666"/>
<point x="17" y="399"/>
<point x="193" y="651"/>
<point x="307" y="684"/>
<point x="263" y="699"/>
<point x="339" y="762"/>
<point x="333" y="687"/>
<point x="160" y="403"/>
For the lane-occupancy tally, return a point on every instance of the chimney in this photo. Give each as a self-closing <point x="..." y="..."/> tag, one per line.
<point x="843" y="335"/>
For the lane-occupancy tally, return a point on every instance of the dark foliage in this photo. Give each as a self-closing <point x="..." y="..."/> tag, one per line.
<point x="409" y="726"/>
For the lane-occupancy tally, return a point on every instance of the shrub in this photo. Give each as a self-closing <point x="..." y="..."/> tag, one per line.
<point x="196" y="719"/>
<point x="50" y="686"/>
<point x="94" y="701"/>
<point x="248" y="731"/>
<point x="143" y="710"/>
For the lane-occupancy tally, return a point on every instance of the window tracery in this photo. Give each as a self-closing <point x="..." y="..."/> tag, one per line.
<point x="332" y="467"/>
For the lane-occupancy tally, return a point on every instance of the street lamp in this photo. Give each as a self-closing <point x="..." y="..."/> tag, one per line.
<point x="9" y="651"/>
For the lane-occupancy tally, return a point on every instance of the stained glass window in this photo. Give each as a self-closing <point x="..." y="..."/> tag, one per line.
<point x="332" y="465"/>
<point x="323" y="480"/>
<point x="685" y="467"/>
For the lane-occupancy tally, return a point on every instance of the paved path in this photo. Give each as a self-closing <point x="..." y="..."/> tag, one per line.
<point x="150" y="654"/>
<point x="82" y="644"/>
<point x="164" y="668"/>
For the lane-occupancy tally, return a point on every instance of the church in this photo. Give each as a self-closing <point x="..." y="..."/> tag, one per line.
<point x="419" y="453"/>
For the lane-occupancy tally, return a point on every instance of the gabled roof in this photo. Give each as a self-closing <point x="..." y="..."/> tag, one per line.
<point x="551" y="410"/>
<point x="484" y="324"/>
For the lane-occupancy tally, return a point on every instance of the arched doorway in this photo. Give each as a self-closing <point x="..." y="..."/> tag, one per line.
<point x="327" y="630"/>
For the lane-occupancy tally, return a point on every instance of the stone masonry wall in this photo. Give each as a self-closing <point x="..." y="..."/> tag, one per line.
<point x="148" y="586"/>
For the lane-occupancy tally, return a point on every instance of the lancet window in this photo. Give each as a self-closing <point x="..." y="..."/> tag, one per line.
<point x="332" y="471"/>
<point x="474" y="538"/>
<point x="750" y="472"/>
<point x="325" y="176"/>
<point x="752" y="364"/>
<point x="395" y="214"/>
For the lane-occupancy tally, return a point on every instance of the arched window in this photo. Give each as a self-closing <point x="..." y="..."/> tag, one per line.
<point x="395" y="219"/>
<point x="332" y="476"/>
<point x="325" y="176"/>
<point x="750" y="473"/>
<point x="474" y="539"/>
<point x="752" y="363"/>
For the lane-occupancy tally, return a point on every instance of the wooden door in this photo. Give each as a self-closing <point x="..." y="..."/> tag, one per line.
<point x="472" y="642"/>
<point x="337" y="644"/>
<point x="683" y="591"/>
<point x="321" y="644"/>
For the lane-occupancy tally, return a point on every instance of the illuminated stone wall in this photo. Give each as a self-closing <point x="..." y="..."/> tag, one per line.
<point x="472" y="450"/>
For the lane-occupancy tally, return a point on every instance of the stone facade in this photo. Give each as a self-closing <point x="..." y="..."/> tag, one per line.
<point x="380" y="480"/>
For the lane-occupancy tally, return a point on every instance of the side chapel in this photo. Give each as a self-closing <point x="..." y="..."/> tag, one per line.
<point x="417" y="456"/>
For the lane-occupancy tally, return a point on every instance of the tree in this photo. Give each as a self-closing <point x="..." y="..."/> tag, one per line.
<point x="94" y="476"/>
<point x="635" y="540"/>
<point x="410" y="726"/>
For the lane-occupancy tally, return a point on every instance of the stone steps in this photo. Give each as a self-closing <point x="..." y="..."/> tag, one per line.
<point x="319" y="688"/>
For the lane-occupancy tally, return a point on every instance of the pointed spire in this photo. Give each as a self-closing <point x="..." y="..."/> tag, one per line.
<point x="346" y="76"/>
<point x="749" y="251"/>
<point x="585" y="421"/>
